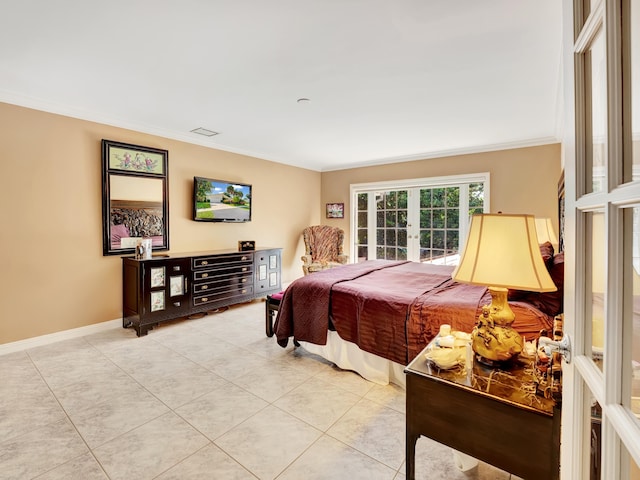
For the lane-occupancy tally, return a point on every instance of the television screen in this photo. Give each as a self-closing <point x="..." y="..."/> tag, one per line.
<point x="221" y="201"/>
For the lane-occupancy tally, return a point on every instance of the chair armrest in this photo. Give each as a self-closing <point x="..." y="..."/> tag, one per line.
<point x="343" y="259"/>
<point x="306" y="258"/>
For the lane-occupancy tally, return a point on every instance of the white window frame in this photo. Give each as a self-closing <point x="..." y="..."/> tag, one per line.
<point x="428" y="182"/>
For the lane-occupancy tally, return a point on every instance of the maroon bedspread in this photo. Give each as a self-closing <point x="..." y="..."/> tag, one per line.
<point x="390" y="309"/>
<point x="307" y="300"/>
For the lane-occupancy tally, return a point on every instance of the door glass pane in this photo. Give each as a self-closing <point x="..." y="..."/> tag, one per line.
<point x="595" y="221"/>
<point x="595" y="434"/>
<point x="440" y="223"/>
<point x="634" y="87"/>
<point x="598" y="108"/>
<point x="634" y="469"/>
<point x="362" y="224"/>
<point x="632" y="325"/>
<point x="391" y="224"/>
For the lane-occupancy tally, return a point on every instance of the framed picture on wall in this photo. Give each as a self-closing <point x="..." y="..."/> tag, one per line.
<point x="335" y="210"/>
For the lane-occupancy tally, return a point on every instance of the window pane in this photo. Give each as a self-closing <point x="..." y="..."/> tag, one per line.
<point x="598" y="106"/>
<point x="634" y="469"/>
<point x="362" y="219"/>
<point x="438" y="197"/>
<point x="632" y="323"/>
<point x="402" y="199"/>
<point x="363" y="253"/>
<point x="594" y="432"/>
<point x="362" y="236"/>
<point x="362" y="201"/>
<point x="634" y="87"/>
<point x="598" y="282"/>
<point x="476" y="195"/>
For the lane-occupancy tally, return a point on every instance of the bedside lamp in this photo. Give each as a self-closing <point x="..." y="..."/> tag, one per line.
<point x="546" y="233"/>
<point x="501" y="252"/>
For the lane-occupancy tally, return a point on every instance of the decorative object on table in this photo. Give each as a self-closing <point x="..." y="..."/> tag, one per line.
<point x="548" y="363"/>
<point x="246" y="245"/>
<point x="323" y="248"/>
<point x="502" y="252"/>
<point x="144" y="249"/>
<point x="335" y="210"/>
<point x="449" y="349"/>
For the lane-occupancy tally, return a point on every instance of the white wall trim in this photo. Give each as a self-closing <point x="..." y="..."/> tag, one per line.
<point x="21" y="345"/>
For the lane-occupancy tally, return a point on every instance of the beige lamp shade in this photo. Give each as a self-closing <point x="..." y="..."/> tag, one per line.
<point x="546" y="233"/>
<point x="502" y="250"/>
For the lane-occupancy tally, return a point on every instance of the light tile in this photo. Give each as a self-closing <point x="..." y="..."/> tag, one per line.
<point x="84" y="467"/>
<point x="184" y="386"/>
<point x="26" y="408"/>
<point x="209" y="462"/>
<point x="236" y="363"/>
<point x="150" y="449"/>
<point x="272" y="382"/>
<point x="391" y="396"/>
<point x="346" y="379"/>
<point x="329" y="458"/>
<point x="220" y="410"/>
<point x="375" y="430"/>
<point x="105" y="420"/>
<point x="268" y="442"/>
<point x="40" y="450"/>
<point x="318" y="403"/>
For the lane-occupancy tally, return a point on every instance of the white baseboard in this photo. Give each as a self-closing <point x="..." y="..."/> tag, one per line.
<point x="58" y="336"/>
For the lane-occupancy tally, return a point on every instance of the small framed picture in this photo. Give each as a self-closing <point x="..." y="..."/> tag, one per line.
<point x="335" y="210"/>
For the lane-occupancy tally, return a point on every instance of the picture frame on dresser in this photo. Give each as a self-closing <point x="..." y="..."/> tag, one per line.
<point x="135" y="197"/>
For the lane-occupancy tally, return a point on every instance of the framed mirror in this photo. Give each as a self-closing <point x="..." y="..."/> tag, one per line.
<point x="135" y="197"/>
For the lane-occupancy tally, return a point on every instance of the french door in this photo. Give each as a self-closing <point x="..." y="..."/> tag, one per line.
<point x="420" y="220"/>
<point x="601" y="146"/>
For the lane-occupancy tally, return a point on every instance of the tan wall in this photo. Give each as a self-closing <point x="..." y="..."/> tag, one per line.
<point x="523" y="180"/>
<point x="54" y="276"/>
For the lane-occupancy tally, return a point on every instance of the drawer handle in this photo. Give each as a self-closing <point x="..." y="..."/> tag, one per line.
<point x="244" y="280"/>
<point x="244" y="290"/>
<point x="205" y="275"/>
<point x="243" y="258"/>
<point x="244" y="269"/>
<point x="204" y="287"/>
<point x="176" y="268"/>
<point x="204" y="299"/>
<point x="204" y="262"/>
<point x="176" y="304"/>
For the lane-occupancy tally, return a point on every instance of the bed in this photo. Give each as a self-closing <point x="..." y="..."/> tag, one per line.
<point x="374" y="317"/>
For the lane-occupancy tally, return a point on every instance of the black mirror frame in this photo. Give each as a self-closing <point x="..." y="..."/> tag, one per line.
<point x="156" y="167"/>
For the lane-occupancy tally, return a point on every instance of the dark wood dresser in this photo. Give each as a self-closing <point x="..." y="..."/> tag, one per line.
<point x="167" y="287"/>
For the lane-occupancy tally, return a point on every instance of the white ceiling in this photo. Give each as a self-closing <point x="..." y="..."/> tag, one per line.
<point x="387" y="80"/>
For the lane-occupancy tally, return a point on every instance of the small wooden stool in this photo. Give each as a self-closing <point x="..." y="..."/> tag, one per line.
<point x="272" y="305"/>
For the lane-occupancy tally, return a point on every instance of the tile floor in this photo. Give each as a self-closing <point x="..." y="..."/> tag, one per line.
<point x="208" y="398"/>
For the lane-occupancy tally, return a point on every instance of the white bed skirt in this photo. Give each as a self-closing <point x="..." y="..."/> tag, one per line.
<point x="348" y="356"/>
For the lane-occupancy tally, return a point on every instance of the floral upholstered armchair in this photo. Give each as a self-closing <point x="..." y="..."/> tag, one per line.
<point x="323" y="248"/>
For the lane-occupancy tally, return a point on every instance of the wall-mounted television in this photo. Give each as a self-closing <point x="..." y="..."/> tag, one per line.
<point x="221" y="200"/>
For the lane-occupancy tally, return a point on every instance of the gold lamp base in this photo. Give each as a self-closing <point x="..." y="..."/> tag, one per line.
<point x="493" y="338"/>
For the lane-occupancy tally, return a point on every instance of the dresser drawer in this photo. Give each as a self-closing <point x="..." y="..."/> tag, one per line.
<point x="208" y="262"/>
<point x="221" y="295"/>
<point x="220" y="272"/>
<point x="216" y="283"/>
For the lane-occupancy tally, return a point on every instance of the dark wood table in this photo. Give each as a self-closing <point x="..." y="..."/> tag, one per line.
<point x="489" y="413"/>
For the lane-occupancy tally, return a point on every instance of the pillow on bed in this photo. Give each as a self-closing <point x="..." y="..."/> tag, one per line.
<point x="546" y="250"/>
<point x="550" y="303"/>
<point x="118" y="232"/>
